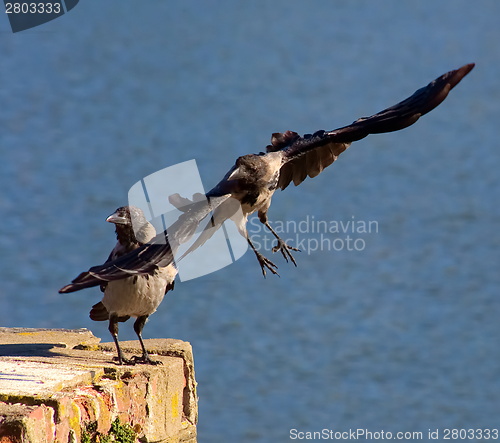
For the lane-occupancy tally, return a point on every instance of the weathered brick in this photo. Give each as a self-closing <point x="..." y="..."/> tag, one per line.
<point x="50" y="391"/>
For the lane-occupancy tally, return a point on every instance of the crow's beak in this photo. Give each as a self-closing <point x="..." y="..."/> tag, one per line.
<point x="236" y="174"/>
<point x="117" y="219"/>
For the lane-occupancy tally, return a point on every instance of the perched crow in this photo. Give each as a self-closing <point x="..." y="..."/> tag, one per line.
<point x="137" y="295"/>
<point x="250" y="184"/>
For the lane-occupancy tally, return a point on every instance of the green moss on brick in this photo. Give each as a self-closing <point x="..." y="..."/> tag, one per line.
<point x="118" y="433"/>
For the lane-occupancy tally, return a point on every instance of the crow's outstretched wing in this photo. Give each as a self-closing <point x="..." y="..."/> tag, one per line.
<point x="310" y="154"/>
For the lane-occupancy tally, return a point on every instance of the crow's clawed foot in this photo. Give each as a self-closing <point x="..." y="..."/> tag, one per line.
<point x="124" y="361"/>
<point x="146" y="360"/>
<point x="285" y="250"/>
<point x="266" y="263"/>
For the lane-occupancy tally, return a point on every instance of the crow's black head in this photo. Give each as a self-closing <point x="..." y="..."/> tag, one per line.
<point x="131" y="225"/>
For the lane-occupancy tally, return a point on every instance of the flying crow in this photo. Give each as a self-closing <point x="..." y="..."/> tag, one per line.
<point x="250" y="184"/>
<point x="136" y="295"/>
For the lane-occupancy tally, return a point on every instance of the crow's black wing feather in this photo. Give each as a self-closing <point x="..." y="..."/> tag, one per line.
<point x="310" y="154"/>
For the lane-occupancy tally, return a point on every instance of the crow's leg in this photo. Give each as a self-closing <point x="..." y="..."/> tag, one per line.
<point x="282" y="246"/>
<point x="138" y="326"/>
<point x="113" y="329"/>
<point x="263" y="261"/>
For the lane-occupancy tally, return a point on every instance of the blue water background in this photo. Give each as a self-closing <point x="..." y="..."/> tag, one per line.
<point x="401" y="336"/>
